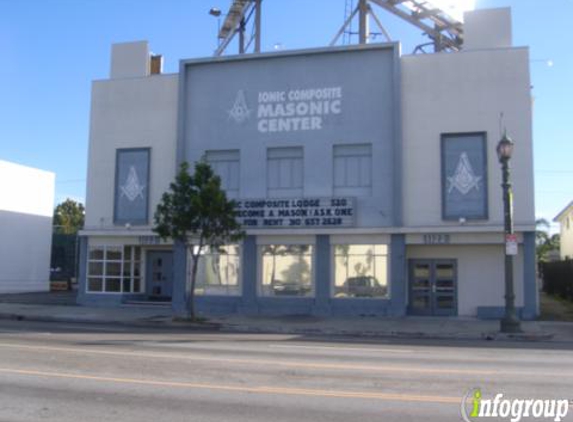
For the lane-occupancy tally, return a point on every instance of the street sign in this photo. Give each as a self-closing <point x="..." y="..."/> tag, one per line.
<point x="511" y="244"/>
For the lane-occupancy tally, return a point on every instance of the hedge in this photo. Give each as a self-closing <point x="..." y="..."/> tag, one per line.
<point x="558" y="278"/>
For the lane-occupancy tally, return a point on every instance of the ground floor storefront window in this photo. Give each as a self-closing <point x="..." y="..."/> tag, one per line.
<point x="286" y="270"/>
<point x="360" y="271"/>
<point x="114" y="269"/>
<point x="219" y="272"/>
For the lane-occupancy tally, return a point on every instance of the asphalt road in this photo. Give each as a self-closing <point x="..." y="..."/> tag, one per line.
<point x="68" y="372"/>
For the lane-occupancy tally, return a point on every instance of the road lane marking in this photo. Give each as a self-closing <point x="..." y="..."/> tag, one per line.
<point x="242" y="389"/>
<point x="279" y="363"/>
<point x="337" y="348"/>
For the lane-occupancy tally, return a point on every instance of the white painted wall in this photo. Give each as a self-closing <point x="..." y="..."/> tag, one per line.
<point x="480" y="273"/>
<point x="487" y="28"/>
<point x="130" y="113"/>
<point x="465" y="92"/>
<point x="566" y="242"/>
<point x="130" y="110"/>
<point x="26" y="210"/>
<point x="129" y="60"/>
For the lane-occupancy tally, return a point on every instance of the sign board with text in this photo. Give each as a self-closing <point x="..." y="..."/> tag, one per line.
<point x="436" y="239"/>
<point x="296" y="213"/>
<point x="511" y="244"/>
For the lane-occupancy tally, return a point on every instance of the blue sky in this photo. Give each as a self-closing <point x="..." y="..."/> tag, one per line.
<point x="51" y="50"/>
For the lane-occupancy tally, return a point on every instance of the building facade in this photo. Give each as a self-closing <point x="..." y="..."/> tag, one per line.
<point x="26" y="210"/>
<point x="367" y="181"/>
<point x="565" y="220"/>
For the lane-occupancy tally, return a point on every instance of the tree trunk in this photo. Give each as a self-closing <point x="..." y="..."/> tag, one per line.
<point x="191" y="295"/>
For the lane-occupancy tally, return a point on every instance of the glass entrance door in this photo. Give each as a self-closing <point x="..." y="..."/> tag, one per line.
<point x="432" y="287"/>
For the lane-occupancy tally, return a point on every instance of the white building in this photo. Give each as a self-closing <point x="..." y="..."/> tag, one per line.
<point x="26" y="210"/>
<point x="565" y="220"/>
<point x="367" y="180"/>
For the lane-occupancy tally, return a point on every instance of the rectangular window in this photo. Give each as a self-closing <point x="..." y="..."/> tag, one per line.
<point x="464" y="176"/>
<point x="131" y="200"/>
<point x="226" y="164"/>
<point x="352" y="169"/>
<point x="285" y="172"/>
<point x="287" y="270"/>
<point x="114" y="269"/>
<point x="218" y="272"/>
<point x="361" y="271"/>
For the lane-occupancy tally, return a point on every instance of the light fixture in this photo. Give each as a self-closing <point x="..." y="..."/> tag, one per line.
<point x="504" y="148"/>
<point x="215" y="11"/>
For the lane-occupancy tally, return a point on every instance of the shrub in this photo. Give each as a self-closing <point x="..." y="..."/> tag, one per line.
<point x="558" y="278"/>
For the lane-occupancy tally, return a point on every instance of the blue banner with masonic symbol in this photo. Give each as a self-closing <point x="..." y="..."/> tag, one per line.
<point x="131" y="186"/>
<point x="464" y="176"/>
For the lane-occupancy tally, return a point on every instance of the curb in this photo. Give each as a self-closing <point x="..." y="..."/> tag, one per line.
<point x="152" y="322"/>
<point x="525" y="337"/>
<point x="208" y="326"/>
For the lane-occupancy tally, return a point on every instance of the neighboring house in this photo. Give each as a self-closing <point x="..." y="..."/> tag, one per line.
<point x="565" y="220"/>
<point x="367" y="181"/>
<point x="26" y="210"/>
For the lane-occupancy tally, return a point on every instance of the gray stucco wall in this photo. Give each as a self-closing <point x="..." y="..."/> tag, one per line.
<point x="359" y="89"/>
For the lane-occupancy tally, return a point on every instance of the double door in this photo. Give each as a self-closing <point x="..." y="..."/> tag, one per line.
<point x="432" y="287"/>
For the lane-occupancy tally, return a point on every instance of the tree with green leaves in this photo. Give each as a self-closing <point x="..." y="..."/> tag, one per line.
<point x="69" y="217"/>
<point x="544" y="242"/>
<point x="196" y="212"/>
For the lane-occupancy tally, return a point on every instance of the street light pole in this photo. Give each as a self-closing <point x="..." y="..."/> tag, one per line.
<point x="510" y="322"/>
<point x="216" y="12"/>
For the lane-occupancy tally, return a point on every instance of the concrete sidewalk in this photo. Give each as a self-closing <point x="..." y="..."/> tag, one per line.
<point x="367" y="327"/>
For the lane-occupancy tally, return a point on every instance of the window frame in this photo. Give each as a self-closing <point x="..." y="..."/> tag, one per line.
<point x="281" y="154"/>
<point x="359" y="189"/>
<point x="239" y="286"/>
<point x="333" y="256"/>
<point x="260" y="271"/>
<point x="122" y="261"/>
<point x="218" y="156"/>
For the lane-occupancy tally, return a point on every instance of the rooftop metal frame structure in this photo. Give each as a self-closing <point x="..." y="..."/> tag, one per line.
<point x="237" y="20"/>
<point x="446" y="33"/>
